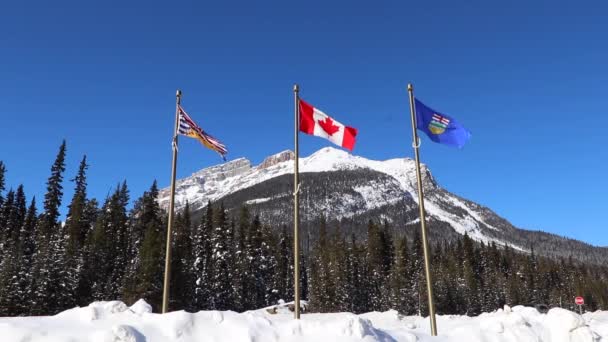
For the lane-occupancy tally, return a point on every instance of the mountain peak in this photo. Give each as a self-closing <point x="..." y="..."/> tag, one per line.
<point x="330" y="150"/>
<point x="215" y="182"/>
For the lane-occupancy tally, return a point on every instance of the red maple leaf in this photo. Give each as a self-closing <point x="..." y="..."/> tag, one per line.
<point x="328" y="126"/>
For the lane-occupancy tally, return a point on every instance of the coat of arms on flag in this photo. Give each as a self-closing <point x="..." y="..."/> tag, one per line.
<point x="438" y="124"/>
<point x="189" y="128"/>
<point x="439" y="127"/>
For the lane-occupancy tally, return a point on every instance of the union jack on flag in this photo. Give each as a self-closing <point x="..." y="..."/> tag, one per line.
<point x="189" y="128"/>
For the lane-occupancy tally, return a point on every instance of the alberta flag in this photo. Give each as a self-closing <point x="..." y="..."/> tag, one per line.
<point x="439" y="127"/>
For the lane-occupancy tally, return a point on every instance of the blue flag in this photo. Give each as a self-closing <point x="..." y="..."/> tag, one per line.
<point x="440" y="127"/>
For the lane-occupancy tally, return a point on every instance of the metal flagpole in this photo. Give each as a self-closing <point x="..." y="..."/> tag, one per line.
<point x="425" y="243"/>
<point x="296" y="205"/>
<point x="178" y="96"/>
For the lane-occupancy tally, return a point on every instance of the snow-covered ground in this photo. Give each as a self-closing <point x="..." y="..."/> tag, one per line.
<point x="115" y="322"/>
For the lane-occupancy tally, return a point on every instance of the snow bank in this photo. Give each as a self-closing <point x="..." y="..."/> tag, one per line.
<point x="116" y="322"/>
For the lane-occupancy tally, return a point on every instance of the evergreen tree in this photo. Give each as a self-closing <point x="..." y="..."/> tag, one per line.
<point x="182" y="263"/>
<point x="494" y="286"/>
<point x="531" y="279"/>
<point x="27" y="239"/>
<point x="11" y="263"/>
<point x="339" y="271"/>
<point x="304" y="267"/>
<point x="268" y="266"/>
<point x="107" y="249"/>
<point x="379" y="254"/>
<point x="95" y="268"/>
<point x="415" y="269"/>
<point x="471" y="276"/>
<point x="244" y="278"/>
<point x="18" y="216"/>
<point x="321" y="287"/>
<point x="258" y="289"/>
<point x="353" y="288"/>
<point x="147" y="280"/>
<point x="221" y="258"/>
<point x="2" y="182"/>
<point x="88" y="273"/>
<point x="72" y="240"/>
<point x="400" y="280"/>
<point x="262" y="264"/>
<point x="386" y="236"/>
<point x="52" y="197"/>
<point x="203" y="269"/>
<point x="48" y="267"/>
<point x="76" y="226"/>
<point x="285" y="265"/>
<point x="120" y="246"/>
<point x="446" y="278"/>
<point x="5" y="215"/>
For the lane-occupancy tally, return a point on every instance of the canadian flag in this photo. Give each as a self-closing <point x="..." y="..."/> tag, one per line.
<point x="315" y="122"/>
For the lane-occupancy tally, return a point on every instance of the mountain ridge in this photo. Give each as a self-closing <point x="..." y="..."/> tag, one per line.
<point x="362" y="188"/>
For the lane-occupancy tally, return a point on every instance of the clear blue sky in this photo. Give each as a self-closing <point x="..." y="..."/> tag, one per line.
<point x="527" y="78"/>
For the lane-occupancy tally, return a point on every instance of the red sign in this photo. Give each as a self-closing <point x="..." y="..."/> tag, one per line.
<point x="579" y="300"/>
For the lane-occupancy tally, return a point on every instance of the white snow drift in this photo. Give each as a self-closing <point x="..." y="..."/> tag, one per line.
<point x="115" y="322"/>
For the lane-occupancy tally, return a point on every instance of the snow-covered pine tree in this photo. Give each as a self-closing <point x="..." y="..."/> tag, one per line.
<point x="222" y="260"/>
<point x="284" y="273"/>
<point x="83" y="291"/>
<point x="351" y="287"/>
<point x="304" y="267"/>
<point x="243" y="278"/>
<point x="321" y="286"/>
<point x="27" y="239"/>
<point x="2" y="219"/>
<point x="416" y="270"/>
<point x="268" y="265"/>
<point x="2" y="182"/>
<point x="492" y="292"/>
<point x="260" y="264"/>
<point x="74" y="230"/>
<point x="446" y="276"/>
<point x="48" y="238"/>
<point x="182" y="263"/>
<point x="258" y="288"/>
<point x="471" y="276"/>
<point x="388" y="255"/>
<point x="400" y="282"/>
<point x="378" y="261"/>
<point x="533" y="295"/>
<point x="94" y="273"/>
<point x="202" y="260"/>
<point x="119" y="256"/>
<point x="339" y="271"/>
<point x="11" y="263"/>
<point x="147" y="279"/>
<point x="107" y="249"/>
<point x="5" y="214"/>
<point x="6" y="261"/>
<point x="136" y="232"/>
<point x="75" y="225"/>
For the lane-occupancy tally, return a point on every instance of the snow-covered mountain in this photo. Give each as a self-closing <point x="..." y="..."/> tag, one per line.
<point x="354" y="189"/>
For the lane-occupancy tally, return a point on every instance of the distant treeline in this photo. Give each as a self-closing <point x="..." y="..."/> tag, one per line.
<point x="239" y="263"/>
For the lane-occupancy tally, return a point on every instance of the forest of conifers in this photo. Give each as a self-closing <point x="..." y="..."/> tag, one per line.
<point x="115" y="250"/>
